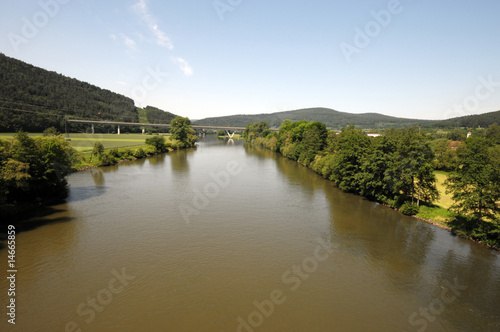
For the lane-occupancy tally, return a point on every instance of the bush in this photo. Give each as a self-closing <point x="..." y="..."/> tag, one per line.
<point x="409" y="209"/>
<point x="139" y="153"/>
<point x="150" y="150"/>
<point x="127" y="154"/>
<point x="107" y="160"/>
<point x="115" y="153"/>
<point x="158" y="142"/>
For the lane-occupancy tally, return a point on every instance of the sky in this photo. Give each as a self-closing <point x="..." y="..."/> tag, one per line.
<point x="423" y="59"/>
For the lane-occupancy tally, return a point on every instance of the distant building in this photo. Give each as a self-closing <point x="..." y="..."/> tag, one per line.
<point x="373" y="135"/>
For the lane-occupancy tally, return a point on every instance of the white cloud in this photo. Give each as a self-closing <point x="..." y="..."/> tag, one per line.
<point x="130" y="43"/>
<point x="141" y="9"/>
<point x="183" y="65"/>
<point x="127" y="41"/>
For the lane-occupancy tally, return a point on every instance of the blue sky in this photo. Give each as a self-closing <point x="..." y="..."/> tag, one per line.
<point x="409" y="58"/>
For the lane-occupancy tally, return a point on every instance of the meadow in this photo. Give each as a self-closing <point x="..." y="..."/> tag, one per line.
<point x="85" y="142"/>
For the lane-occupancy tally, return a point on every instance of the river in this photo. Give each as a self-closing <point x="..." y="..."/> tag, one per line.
<point x="232" y="238"/>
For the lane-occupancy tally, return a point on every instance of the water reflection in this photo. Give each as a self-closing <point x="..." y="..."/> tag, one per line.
<point x="98" y="177"/>
<point x="157" y="161"/>
<point x="180" y="161"/>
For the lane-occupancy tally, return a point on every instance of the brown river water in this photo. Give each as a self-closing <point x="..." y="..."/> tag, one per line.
<point x="232" y="238"/>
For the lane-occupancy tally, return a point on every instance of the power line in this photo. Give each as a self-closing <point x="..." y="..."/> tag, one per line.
<point x="33" y="112"/>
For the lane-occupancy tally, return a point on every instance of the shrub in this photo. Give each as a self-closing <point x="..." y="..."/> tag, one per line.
<point x="115" y="153"/>
<point x="409" y="209"/>
<point x="139" y="153"/>
<point x="107" y="160"/>
<point x="158" y="142"/>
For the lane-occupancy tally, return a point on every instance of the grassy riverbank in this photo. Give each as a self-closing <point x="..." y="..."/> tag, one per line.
<point x="85" y="142"/>
<point x="120" y="147"/>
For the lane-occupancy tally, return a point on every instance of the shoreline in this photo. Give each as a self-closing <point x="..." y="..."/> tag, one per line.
<point x="426" y="220"/>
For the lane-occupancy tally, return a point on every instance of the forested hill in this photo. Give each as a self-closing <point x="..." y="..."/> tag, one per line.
<point x="333" y="119"/>
<point x="471" y="121"/>
<point x="34" y="99"/>
<point x="336" y="120"/>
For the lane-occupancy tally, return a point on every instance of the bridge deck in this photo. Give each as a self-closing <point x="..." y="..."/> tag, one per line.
<point x="155" y="125"/>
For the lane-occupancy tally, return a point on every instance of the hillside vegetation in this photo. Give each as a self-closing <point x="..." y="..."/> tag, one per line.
<point x="34" y="99"/>
<point x="336" y="120"/>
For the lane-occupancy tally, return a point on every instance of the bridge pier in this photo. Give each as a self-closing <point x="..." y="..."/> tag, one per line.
<point x="118" y="129"/>
<point x="230" y="135"/>
<point x="92" y="129"/>
<point x="143" y="130"/>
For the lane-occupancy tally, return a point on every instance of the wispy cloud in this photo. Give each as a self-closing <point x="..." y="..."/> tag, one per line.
<point x="127" y="41"/>
<point x="183" y="65"/>
<point x="161" y="39"/>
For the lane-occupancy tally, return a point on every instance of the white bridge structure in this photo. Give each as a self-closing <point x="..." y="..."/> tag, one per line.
<point x="143" y="125"/>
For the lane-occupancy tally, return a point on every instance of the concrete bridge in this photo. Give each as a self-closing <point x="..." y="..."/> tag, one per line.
<point x="143" y="125"/>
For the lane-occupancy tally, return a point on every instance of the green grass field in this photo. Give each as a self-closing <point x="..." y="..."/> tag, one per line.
<point x="445" y="199"/>
<point x="85" y="142"/>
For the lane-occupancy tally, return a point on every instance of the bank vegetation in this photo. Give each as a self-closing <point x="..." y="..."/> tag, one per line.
<point x="399" y="167"/>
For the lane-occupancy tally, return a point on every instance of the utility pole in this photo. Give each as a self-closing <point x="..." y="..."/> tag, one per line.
<point x="66" y="126"/>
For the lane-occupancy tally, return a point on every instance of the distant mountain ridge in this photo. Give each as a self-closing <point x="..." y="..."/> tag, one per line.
<point x="33" y="99"/>
<point x="336" y="119"/>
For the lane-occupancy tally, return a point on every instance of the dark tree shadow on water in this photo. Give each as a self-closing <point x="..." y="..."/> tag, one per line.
<point x="31" y="221"/>
<point x="83" y="193"/>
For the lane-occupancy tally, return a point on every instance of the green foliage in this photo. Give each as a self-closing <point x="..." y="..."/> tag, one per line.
<point x="33" y="89"/>
<point x="158" y="142"/>
<point x="97" y="151"/>
<point x="32" y="170"/>
<point x="181" y="131"/>
<point x="457" y="135"/>
<point x="254" y="130"/>
<point x="409" y="209"/>
<point x="51" y="132"/>
<point x="107" y="160"/>
<point x="445" y="154"/>
<point x="352" y="145"/>
<point x="487" y="232"/>
<point x="493" y="133"/>
<point x="156" y="115"/>
<point x="114" y="153"/>
<point x="416" y="177"/>
<point x="475" y="182"/>
<point x="393" y="168"/>
<point x="139" y="153"/>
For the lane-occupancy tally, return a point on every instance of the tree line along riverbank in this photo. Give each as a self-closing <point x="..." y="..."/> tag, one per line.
<point x="404" y="169"/>
<point x="34" y="170"/>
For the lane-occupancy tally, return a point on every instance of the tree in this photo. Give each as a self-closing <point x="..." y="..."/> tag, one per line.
<point x="182" y="131"/>
<point x="158" y="142"/>
<point x="97" y="151"/>
<point x="444" y="154"/>
<point x="352" y="145"/>
<point x="32" y="171"/>
<point x="493" y="133"/>
<point x="456" y="135"/>
<point x="475" y="182"/>
<point x="413" y="168"/>
<point x="257" y="129"/>
<point x="52" y="131"/>
<point x="313" y="141"/>
<point x="375" y="176"/>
